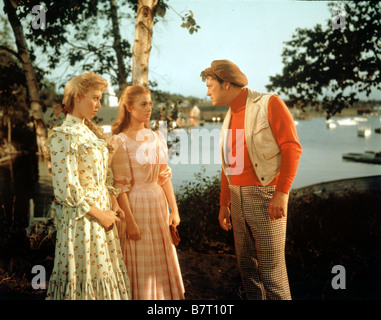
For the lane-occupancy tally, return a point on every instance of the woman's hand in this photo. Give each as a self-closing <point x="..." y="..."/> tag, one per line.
<point x="174" y="218"/>
<point x="133" y="231"/>
<point x="116" y="208"/>
<point x="119" y="211"/>
<point x="108" y="218"/>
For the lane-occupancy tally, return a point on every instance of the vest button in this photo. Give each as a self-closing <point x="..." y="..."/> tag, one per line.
<point x="262" y="178"/>
<point x="256" y="165"/>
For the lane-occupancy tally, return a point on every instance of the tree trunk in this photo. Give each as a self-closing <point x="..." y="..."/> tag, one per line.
<point x="32" y="84"/>
<point x="143" y="39"/>
<point x="122" y="72"/>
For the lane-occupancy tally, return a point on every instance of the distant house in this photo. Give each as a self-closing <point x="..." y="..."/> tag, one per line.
<point x="110" y="98"/>
<point x="364" y="110"/>
<point x="211" y="113"/>
<point x="105" y="118"/>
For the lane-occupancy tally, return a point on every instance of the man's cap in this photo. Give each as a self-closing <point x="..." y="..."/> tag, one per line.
<point x="227" y="71"/>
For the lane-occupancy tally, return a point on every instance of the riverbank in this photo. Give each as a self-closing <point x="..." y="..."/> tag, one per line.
<point x="322" y="232"/>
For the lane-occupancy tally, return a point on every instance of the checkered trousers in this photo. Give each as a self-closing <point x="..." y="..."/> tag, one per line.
<point x="259" y="243"/>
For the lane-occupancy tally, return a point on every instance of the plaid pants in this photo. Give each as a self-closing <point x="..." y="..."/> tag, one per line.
<point x="259" y="243"/>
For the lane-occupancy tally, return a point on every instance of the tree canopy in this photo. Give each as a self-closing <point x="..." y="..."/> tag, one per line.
<point x="330" y="65"/>
<point x="87" y="34"/>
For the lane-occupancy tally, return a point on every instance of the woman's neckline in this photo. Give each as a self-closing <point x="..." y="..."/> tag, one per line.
<point x="139" y="142"/>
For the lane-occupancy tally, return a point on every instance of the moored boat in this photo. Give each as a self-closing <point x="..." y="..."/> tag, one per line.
<point x="366" y="157"/>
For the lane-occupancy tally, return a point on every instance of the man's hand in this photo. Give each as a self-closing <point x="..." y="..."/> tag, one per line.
<point x="224" y="218"/>
<point x="278" y="205"/>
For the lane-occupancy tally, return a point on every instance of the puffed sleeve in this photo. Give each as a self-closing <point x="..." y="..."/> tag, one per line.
<point x="165" y="172"/>
<point x="65" y="180"/>
<point x="120" y="165"/>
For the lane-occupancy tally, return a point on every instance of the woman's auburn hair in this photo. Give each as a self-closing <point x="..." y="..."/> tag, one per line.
<point x="128" y="97"/>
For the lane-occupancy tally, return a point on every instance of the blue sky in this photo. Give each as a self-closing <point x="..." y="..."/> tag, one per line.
<point x="250" y="33"/>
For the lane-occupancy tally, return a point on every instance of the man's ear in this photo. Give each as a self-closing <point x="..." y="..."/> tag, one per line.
<point x="227" y="85"/>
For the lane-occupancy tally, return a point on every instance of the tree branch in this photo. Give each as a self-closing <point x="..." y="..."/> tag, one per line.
<point x="12" y="52"/>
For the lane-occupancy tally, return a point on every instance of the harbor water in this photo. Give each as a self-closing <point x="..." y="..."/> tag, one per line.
<point x="26" y="177"/>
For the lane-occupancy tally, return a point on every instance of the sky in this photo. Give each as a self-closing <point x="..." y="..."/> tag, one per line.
<point x="251" y="33"/>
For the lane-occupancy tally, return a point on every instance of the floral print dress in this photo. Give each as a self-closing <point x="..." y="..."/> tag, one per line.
<point x="88" y="261"/>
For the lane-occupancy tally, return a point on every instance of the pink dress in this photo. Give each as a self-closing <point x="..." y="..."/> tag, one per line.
<point x="140" y="168"/>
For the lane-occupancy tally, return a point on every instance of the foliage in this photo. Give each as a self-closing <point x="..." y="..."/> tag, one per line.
<point x="333" y="65"/>
<point x="335" y="230"/>
<point x="19" y="253"/>
<point x="87" y="34"/>
<point x="13" y="105"/>
<point x="338" y="229"/>
<point x="78" y="33"/>
<point x="198" y="204"/>
<point x="190" y="23"/>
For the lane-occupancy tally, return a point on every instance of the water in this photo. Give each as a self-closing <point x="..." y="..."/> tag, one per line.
<point x="321" y="161"/>
<point x="26" y="177"/>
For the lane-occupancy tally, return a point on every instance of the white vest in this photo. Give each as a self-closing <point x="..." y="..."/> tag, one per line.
<point x="263" y="149"/>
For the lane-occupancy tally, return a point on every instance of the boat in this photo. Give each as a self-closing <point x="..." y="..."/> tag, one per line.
<point x="364" y="131"/>
<point x="366" y="157"/>
<point x="331" y="125"/>
<point x="360" y="119"/>
<point x="377" y="130"/>
<point x="347" y="122"/>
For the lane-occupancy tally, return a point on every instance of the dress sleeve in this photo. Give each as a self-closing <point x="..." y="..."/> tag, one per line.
<point x="165" y="172"/>
<point x="65" y="176"/>
<point x="110" y="183"/>
<point x="120" y="165"/>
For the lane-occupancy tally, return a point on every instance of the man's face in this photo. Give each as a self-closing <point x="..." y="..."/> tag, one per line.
<point x="216" y="92"/>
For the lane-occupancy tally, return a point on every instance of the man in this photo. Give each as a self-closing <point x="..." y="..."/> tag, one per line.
<point x="260" y="154"/>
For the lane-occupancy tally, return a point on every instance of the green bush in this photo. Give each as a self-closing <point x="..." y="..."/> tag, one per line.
<point x="322" y="231"/>
<point x="198" y="204"/>
<point x="337" y="229"/>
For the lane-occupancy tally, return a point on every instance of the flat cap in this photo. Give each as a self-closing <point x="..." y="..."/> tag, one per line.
<point x="227" y="71"/>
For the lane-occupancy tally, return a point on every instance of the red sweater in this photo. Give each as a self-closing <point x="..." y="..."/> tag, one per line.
<point x="284" y="131"/>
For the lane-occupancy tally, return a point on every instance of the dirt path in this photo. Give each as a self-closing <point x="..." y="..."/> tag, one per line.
<point x="206" y="276"/>
<point x="210" y="276"/>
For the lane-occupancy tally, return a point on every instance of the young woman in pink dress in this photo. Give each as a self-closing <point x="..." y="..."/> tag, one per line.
<point x="140" y="168"/>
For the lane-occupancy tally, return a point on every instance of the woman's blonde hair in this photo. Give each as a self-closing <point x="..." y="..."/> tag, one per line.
<point x="77" y="88"/>
<point x="128" y="97"/>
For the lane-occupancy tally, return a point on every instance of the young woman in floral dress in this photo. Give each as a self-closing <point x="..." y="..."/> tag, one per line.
<point x="88" y="261"/>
